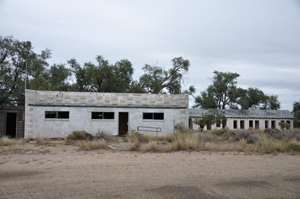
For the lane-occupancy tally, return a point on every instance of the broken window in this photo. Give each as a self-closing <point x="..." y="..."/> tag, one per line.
<point x="153" y="116"/>
<point x="250" y="123"/>
<point x="242" y="124"/>
<point x="218" y="123"/>
<point x="266" y="124"/>
<point x="257" y="124"/>
<point x="273" y="124"/>
<point x="288" y="124"/>
<point x="234" y="124"/>
<point x="103" y="115"/>
<point x="57" y="114"/>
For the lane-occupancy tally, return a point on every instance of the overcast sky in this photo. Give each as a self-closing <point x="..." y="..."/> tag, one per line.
<point x="259" y="39"/>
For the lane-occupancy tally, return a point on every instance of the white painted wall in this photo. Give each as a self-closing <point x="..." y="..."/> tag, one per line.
<point x="80" y="119"/>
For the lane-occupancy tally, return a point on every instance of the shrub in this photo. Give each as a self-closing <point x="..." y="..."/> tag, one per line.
<point x="275" y="133"/>
<point x="7" y="141"/>
<point x="153" y="146"/>
<point x="92" y="145"/>
<point x="269" y="145"/>
<point x="185" y="142"/>
<point x="106" y="137"/>
<point x="293" y="147"/>
<point x="219" y="132"/>
<point x="79" y="135"/>
<point x="251" y="137"/>
<point x="133" y="137"/>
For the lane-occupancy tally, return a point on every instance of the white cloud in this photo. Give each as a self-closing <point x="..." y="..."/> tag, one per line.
<point x="259" y="39"/>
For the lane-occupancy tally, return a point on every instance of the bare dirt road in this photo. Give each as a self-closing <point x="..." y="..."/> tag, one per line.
<point x="103" y="174"/>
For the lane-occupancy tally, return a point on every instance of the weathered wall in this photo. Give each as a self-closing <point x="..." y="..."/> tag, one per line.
<point x="80" y="119"/>
<point x="80" y="106"/>
<point x="230" y="122"/>
<point x="106" y="99"/>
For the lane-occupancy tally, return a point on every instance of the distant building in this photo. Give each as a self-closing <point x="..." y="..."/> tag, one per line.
<point x="57" y="114"/>
<point x="245" y="119"/>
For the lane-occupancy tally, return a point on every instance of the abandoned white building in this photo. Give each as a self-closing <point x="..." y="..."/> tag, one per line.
<point x="57" y="114"/>
<point x="245" y="119"/>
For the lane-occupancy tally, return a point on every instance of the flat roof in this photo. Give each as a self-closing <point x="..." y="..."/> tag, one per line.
<point x="114" y="100"/>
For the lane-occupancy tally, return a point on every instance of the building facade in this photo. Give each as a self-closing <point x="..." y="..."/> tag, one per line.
<point x="246" y="119"/>
<point x="55" y="114"/>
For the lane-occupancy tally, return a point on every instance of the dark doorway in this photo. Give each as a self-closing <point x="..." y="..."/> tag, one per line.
<point x="123" y="123"/>
<point x="11" y="120"/>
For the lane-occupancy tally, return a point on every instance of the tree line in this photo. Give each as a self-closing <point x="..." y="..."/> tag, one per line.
<point x="19" y="63"/>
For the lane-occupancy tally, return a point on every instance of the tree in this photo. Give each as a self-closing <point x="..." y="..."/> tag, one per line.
<point x="206" y="100"/>
<point x="222" y="93"/>
<point x="102" y="77"/>
<point x="210" y="118"/>
<point x="18" y="62"/>
<point x="136" y="87"/>
<point x="250" y="97"/>
<point x="271" y="102"/>
<point x="157" y="80"/>
<point x="296" y="111"/>
<point x="190" y="91"/>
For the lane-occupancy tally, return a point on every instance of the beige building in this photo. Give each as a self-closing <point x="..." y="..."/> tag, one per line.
<point x="245" y="119"/>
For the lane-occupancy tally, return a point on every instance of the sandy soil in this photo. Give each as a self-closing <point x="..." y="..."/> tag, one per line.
<point x="64" y="172"/>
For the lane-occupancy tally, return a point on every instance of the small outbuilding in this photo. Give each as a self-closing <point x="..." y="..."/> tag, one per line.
<point x="55" y="114"/>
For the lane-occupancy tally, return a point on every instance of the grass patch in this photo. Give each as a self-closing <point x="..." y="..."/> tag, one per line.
<point x="249" y="141"/>
<point x="92" y="145"/>
<point x="79" y="135"/>
<point x="7" y="141"/>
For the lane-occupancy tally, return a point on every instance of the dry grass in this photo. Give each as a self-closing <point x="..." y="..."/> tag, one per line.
<point x="7" y="141"/>
<point x="221" y="140"/>
<point x="92" y="145"/>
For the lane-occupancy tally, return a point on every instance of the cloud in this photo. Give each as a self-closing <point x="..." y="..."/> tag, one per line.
<point x="258" y="39"/>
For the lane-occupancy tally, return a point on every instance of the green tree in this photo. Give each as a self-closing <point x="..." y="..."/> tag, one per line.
<point x="206" y="99"/>
<point x="18" y="62"/>
<point x="222" y="92"/>
<point x="250" y="97"/>
<point x="271" y="102"/>
<point x="296" y="111"/>
<point x="103" y="76"/>
<point x="210" y="118"/>
<point x="157" y="80"/>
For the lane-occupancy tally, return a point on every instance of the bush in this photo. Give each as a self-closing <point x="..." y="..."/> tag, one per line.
<point x="185" y="142"/>
<point x="293" y="147"/>
<point x="79" y="135"/>
<point x="133" y="137"/>
<point x="250" y="137"/>
<point x="106" y="137"/>
<point x="7" y="141"/>
<point x="153" y="146"/>
<point x="270" y="145"/>
<point x="275" y="133"/>
<point x="92" y="145"/>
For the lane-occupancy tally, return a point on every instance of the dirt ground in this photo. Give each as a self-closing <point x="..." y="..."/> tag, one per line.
<point x="64" y="172"/>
